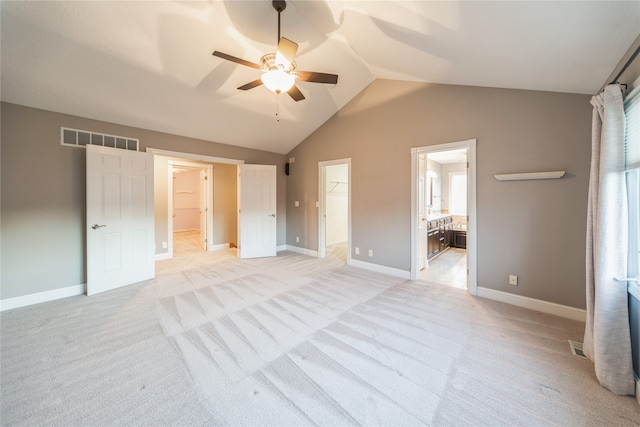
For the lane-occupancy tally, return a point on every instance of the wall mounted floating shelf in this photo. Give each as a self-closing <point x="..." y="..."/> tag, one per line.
<point x="529" y="175"/>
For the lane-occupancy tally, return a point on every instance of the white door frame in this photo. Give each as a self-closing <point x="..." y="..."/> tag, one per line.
<point x="322" y="234"/>
<point x="185" y="157"/>
<point x="472" y="229"/>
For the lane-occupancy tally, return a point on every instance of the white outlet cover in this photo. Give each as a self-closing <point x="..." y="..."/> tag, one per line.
<point x="296" y="203"/>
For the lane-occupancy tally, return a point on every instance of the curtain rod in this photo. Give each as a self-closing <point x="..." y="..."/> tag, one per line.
<point x="626" y="65"/>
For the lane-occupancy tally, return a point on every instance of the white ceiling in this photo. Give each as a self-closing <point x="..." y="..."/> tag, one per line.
<point x="444" y="157"/>
<point x="148" y="64"/>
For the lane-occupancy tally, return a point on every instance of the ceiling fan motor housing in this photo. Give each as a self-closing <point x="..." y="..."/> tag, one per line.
<point x="268" y="62"/>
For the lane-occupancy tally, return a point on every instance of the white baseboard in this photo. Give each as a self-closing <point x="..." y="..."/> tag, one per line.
<point x="219" y="247"/>
<point x="160" y="257"/>
<point x="382" y="269"/>
<point x="302" y="251"/>
<point x="39" y="297"/>
<point x="534" y="304"/>
<point x="281" y="248"/>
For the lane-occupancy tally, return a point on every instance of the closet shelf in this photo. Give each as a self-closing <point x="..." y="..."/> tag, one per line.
<point x="529" y="175"/>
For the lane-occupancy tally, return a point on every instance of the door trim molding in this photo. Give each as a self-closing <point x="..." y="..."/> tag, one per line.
<point x="472" y="229"/>
<point x="190" y="156"/>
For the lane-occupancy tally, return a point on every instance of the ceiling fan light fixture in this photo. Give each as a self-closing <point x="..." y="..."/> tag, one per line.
<point x="277" y="80"/>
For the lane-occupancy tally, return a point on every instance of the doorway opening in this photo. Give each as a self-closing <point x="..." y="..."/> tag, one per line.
<point x="334" y="216"/>
<point x="444" y="215"/>
<point x="191" y="201"/>
<point x="191" y="207"/>
<point x="221" y="229"/>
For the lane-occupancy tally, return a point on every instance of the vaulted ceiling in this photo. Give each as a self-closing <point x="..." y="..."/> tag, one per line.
<point x="149" y="64"/>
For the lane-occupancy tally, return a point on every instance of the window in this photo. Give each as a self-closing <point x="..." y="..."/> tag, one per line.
<point x="632" y="165"/>
<point x="458" y="193"/>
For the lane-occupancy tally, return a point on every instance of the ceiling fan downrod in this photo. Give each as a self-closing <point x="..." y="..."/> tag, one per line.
<point x="279" y="6"/>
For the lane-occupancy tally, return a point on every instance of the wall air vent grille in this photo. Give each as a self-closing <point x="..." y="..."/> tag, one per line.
<point x="82" y="138"/>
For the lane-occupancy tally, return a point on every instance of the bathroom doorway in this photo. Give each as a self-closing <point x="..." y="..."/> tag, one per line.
<point x="443" y="215"/>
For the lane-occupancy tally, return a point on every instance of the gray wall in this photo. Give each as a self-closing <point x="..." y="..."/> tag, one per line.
<point x="43" y="194"/>
<point x="535" y="229"/>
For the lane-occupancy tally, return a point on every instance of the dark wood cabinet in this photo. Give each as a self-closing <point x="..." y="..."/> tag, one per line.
<point x="459" y="239"/>
<point x="439" y="236"/>
<point x="433" y="239"/>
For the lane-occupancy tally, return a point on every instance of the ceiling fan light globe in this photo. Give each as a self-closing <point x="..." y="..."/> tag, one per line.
<point x="277" y="81"/>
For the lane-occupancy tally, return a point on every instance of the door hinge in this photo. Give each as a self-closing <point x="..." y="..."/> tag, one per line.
<point x="205" y="177"/>
<point x="205" y="240"/>
<point x="206" y="209"/>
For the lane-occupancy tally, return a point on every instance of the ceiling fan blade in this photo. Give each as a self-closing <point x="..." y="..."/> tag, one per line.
<point x="295" y="93"/>
<point x="286" y="52"/>
<point x="251" y="85"/>
<point x="236" y="60"/>
<point x="311" y="76"/>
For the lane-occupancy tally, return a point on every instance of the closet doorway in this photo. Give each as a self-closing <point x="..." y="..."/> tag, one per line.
<point x="334" y="214"/>
<point x="191" y="201"/>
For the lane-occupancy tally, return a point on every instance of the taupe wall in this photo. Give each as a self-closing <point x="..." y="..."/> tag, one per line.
<point x="43" y="194"/>
<point x="535" y="229"/>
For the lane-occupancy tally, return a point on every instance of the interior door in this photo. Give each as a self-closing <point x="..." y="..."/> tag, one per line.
<point x="423" y="237"/>
<point x="257" y="211"/>
<point x="203" y="209"/>
<point x="120" y="223"/>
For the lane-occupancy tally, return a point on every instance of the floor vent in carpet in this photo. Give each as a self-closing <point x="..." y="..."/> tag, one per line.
<point x="576" y="349"/>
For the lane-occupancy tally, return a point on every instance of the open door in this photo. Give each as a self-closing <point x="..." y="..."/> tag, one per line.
<point x="257" y="211"/>
<point x="120" y="223"/>
<point x="423" y="203"/>
<point x="205" y="197"/>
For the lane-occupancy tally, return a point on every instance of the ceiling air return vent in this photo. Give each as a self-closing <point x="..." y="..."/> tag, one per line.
<point x="82" y="138"/>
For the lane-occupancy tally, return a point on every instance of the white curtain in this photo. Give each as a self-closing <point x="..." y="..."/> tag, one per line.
<point x="607" y="339"/>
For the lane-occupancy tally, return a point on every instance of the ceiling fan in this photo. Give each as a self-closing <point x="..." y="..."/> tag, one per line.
<point x="279" y="69"/>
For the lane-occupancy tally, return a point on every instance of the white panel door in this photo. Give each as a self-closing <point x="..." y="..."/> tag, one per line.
<point x="120" y="226"/>
<point x="257" y="231"/>
<point x="203" y="209"/>
<point x="422" y="210"/>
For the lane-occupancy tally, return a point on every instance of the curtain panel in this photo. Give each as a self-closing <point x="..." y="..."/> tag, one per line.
<point x="607" y="339"/>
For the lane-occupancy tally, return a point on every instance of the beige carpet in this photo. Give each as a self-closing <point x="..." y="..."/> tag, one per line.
<point x="294" y="340"/>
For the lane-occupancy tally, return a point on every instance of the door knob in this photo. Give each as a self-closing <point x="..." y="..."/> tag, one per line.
<point x="96" y="226"/>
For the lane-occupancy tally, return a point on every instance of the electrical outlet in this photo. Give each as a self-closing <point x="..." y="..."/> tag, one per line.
<point x="296" y="203"/>
<point x="513" y="280"/>
<point x="297" y="239"/>
<point x="164" y="245"/>
<point x="357" y="250"/>
<point x="371" y="252"/>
